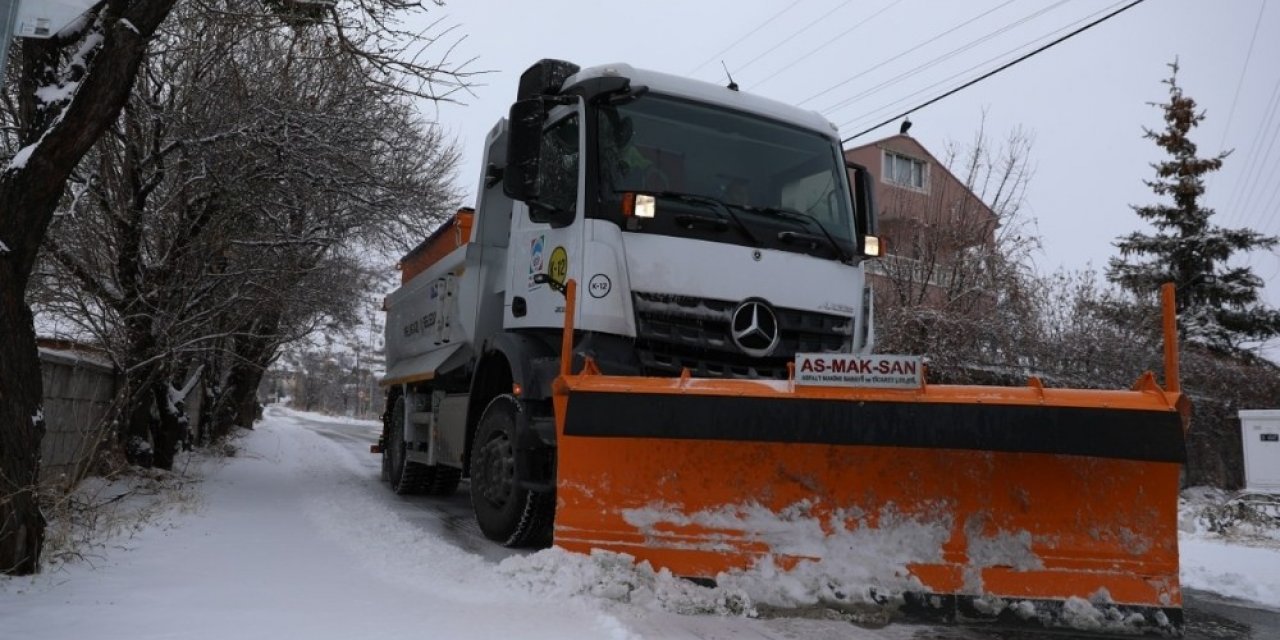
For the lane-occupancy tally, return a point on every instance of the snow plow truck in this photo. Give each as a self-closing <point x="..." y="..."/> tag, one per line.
<point x="652" y="335"/>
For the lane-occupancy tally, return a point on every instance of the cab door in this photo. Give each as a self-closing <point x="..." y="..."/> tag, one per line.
<point x="538" y="246"/>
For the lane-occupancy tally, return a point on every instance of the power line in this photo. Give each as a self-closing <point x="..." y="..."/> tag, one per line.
<point x="1240" y="83"/>
<point x="750" y="33"/>
<point x="1245" y="184"/>
<point x="1258" y="216"/>
<point x="1001" y="68"/>
<point x="874" y="113"/>
<point x="824" y="45"/>
<point x="1266" y="204"/>
<point x="795" y="34"/>
<point x="1231" y="114"/>
<point x="923" y="43"/>
<point x="1254" y="171"/>
<point x="1273" y="203"/>
<point x="941" y="58"/>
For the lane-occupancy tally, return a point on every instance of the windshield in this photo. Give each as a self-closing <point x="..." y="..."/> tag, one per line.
<point x="660" y="144"/>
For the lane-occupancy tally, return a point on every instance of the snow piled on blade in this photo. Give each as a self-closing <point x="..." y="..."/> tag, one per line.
<point x="839" y="560"/>
<point x="1004" y="549"/>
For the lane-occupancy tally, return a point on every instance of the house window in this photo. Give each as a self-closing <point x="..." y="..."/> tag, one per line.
<point x="905" y="171"/>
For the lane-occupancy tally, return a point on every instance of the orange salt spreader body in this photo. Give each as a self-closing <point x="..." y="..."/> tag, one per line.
<point x="1024" y="505"/>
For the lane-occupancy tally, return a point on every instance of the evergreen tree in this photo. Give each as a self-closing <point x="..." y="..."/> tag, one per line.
<point x="1218" y="304"/>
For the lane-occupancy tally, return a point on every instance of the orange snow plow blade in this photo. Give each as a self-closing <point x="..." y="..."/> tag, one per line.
<point x="1024" y="505"/>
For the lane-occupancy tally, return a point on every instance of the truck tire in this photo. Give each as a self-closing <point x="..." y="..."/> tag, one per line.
<point x="393" y="455"/>
<point x="413" y="478"/>
<point x="386" y="433"/>
<point x="507" y="513"/>
<point x="444" y="480"/>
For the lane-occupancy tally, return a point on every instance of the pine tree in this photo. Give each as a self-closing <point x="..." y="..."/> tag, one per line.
<point x="1218" y="304"/>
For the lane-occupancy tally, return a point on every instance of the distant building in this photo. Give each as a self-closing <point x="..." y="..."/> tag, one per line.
<point x="930" y="219"/>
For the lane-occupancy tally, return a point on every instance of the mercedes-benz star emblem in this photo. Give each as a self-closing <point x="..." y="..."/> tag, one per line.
<point x="754" y="328"/>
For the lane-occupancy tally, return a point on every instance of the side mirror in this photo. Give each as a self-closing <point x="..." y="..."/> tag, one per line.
<point x="544" y="78"/>
<point x="524" y="145"/>
<point x="862" y="186"/>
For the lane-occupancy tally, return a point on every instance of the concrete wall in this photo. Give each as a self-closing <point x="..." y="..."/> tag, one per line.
<point x="78" y="392"/>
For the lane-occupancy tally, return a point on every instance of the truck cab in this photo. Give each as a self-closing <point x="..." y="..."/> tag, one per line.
<point x="712" y="233"/>
<point x="711" y="230"/>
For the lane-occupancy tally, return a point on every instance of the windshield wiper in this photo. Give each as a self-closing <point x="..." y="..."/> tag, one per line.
<point x="716" y="223"/>
<point x="800" y="216"/>
<point x="715" y="204"/>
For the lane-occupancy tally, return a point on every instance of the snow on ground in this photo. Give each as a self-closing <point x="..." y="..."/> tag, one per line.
<point x="1228" y="547"/>
<point x="287" y="543"/>
<point x="294" y="536"/>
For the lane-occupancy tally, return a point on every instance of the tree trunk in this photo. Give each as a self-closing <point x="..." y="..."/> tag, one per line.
<point x="171" y="429"/>
<point x="135" y="430"/>
<point x="56" y="139"/>
<point x="253" y="354"/>
<point x="21" y="429"/>
<point x="242" y="390"/>
<point x="139" y="421"/>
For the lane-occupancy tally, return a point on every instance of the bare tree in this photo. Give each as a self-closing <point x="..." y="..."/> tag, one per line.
<point x="1099" y="337"/>
<point x="957" y="284"/>
<point x="70" y="89"/>
<point x="219" y="217"/>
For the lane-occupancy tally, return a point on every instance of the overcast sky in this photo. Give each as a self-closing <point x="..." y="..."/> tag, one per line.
<point x="1084" y="101"/>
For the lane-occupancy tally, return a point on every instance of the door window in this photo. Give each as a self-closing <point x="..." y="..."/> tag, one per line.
<point x="558" y="168"/>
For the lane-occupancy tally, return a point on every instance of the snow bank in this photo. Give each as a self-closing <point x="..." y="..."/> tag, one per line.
<point x="1249" y="573"/>
<point x="555" y="575"/>
<point x="1227" y="548"/>
<point x="294" y="538"/>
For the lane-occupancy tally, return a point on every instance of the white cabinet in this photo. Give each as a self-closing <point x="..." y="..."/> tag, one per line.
<point x="1260" y="431"/>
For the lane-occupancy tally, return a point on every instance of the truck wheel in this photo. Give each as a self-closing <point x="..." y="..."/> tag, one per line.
<point x="393" y="454"/>
<point x="386" y="440"/>
<point x="506" y="512"/>
<point x="444" y="480"/>
<point x="412" y="478"/>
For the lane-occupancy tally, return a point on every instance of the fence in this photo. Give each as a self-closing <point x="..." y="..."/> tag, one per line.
<point x="78" y="393"/>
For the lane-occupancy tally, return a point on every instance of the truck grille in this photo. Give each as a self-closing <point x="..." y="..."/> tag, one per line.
<point x="675" y="332"/>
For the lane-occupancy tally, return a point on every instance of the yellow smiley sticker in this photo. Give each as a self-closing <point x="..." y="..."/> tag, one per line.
<point x="558" y="266"/>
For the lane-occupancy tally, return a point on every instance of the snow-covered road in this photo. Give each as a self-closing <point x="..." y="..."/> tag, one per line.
<point x="294" y="537"/>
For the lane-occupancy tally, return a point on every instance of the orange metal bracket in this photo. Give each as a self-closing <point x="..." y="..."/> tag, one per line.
<point x="1170" y="313"/>
<point x="566" y="341"/>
